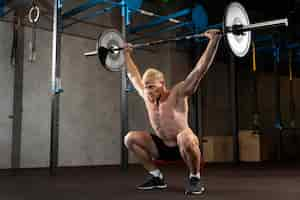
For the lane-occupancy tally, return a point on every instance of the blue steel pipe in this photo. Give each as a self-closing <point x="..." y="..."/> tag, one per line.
<point x="171" y="28"/>
<point x="92" y="15"/>
<point x="2" y="8"/>
<point x="87" y="5"/>
<point x="160" y="20"/>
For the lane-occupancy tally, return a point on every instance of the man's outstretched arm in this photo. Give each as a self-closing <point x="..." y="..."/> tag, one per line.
<point x="191" y="83"/>
<point x="133" y="72"/>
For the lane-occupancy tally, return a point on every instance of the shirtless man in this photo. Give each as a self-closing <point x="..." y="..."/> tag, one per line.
<point x="168" y="114"/>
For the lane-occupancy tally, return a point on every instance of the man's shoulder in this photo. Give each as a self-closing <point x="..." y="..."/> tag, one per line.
<point x="177" y="88"/>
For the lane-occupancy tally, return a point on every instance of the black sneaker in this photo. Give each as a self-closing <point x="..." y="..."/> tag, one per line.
<point x="194" y="187"/>
<point x="152" y="182"/>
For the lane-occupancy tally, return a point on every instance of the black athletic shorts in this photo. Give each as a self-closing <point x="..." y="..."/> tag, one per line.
<point x="165" y="152"/>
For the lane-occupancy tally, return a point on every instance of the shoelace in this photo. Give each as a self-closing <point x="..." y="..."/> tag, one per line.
<point x="194" y="181"/>
<point x="150" y="178"/>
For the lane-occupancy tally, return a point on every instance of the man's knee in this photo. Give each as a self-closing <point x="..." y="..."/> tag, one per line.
<point x="190" y="148"/>
<point x="129" y="138"/>
<point x="188" y="143"/>
<point x="133" y="137"/>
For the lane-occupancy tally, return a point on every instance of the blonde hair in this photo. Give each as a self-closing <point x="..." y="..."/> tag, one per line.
<point x="153" y="74"/>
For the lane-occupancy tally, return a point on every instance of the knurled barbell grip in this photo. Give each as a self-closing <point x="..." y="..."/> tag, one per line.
<point x="187" y="37"/>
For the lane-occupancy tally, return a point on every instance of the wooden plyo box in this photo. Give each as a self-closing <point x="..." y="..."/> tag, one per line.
<point x="255" y="147"/>
<point x="218" y="148"/>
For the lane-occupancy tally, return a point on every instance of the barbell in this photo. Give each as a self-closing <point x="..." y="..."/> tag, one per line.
<point x="236" y="28"/>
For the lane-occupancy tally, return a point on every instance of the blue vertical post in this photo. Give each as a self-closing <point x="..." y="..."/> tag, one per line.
<point x="55" y="84"/>
<point x="278" y="123"/>
<point x="276" y="56"/>
<point x="124" y="97"/>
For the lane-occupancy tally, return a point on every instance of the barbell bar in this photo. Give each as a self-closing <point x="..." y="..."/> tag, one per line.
<point x="260" y="25"/>
<point x="113" y="49"/>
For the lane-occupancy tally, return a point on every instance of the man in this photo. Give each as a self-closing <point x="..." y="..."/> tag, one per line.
<point x="168" y="114"/>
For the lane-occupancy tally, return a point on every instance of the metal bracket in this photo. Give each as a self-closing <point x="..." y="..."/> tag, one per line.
<point x="58" y="88"/>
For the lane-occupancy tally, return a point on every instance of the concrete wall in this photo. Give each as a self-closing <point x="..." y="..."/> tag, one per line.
<point x="89" y="109"/>
<point x="6" y="94"/>
<point x="36" y="102"/>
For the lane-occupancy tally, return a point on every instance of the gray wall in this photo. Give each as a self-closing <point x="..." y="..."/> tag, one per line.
<point x="89" y="109"/>
<point x="6" y="94"/>
<point x="36" y="102"/>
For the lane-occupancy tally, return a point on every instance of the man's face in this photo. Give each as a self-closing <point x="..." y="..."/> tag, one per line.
<point x="153" y="89"/>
